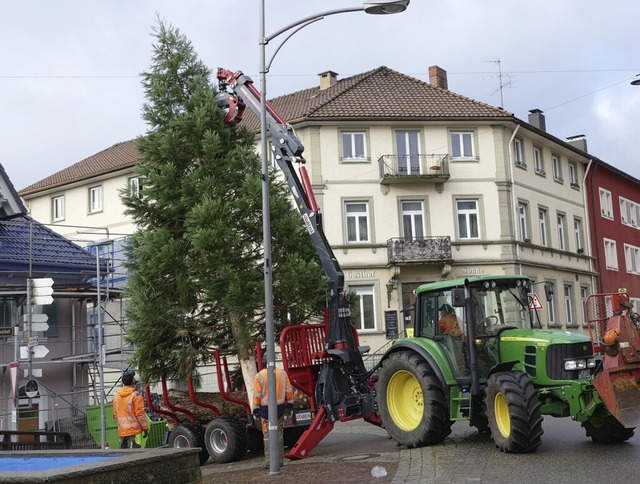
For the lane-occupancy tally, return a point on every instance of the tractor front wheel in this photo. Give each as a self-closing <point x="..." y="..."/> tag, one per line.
<point x="188" y="436"/>
<point x="513" y="410"/>
<point x="606" y="430"/>
<point x="411" y="401"/>
<point x="226" y="439"/>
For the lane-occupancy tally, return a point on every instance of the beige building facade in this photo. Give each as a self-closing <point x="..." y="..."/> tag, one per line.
<point x="421" y="185"/>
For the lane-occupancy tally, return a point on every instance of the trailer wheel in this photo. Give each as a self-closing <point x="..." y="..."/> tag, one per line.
<point x="411" y="401"/>
<point x="226" y="439"/>
<point x="513" y="411"/>
<point x="606" y="430"/>
<point x="187" y="436"/>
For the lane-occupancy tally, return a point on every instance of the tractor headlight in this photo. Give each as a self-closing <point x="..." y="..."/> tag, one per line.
<point x="591" y="363"/>
<point x="575" y="364"/>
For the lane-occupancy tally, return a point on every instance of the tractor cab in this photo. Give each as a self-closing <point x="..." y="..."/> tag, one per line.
<point x="456" y="317"/>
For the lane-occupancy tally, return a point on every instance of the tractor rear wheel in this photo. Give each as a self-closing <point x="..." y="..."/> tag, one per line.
<point x="411" y="401"/>
<point x="513" y="410"/>
<point x="226" y="439"/>
<point x="188" y="436"/>
<point x="606" y="430"/>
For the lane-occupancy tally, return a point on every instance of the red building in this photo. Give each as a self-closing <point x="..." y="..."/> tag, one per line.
<point x="613" y="201"/>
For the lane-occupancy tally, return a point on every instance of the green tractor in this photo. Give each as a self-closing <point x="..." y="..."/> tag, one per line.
<point x="477" y="355"/>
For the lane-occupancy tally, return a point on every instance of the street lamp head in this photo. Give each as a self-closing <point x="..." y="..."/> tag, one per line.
<point x="636" y="80"/>
<point x="382" y="7"/>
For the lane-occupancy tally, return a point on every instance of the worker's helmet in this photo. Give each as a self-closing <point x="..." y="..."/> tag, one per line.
<point x="128" y="377"/>
<point x="447" y="308"/>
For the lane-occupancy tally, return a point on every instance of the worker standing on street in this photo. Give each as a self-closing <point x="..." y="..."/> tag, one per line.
<point x="284" y="397"/>
<point x="129" y="412"/>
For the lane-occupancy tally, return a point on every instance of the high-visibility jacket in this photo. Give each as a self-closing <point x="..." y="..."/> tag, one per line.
<point x="129" y="413"/>
<point x="284" y="391"/>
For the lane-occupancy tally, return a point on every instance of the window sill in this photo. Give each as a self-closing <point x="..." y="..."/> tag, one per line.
<point x="521" y="164"/>
<point x="541" y="173"/>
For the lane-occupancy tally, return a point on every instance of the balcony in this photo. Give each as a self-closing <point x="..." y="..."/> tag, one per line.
<point x="413" y="168"/>
<point x="424" y="250"/>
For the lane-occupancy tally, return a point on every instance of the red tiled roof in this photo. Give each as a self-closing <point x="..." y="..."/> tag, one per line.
<point x="119" y="156"/>
<point x="380" y="94"/>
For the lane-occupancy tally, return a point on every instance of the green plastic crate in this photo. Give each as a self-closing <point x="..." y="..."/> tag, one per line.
<point x="155" y="436"/>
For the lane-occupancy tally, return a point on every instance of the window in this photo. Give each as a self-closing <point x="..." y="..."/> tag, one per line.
<point x="573" y="175"/>
<point x="523" y="221"/>
<point x="606" y="206"/>
<point x="95" y="199"/>
<point x="412" y="220"/>
<point x="561" y="231"/>
<point x="354" y="146"/>
<point x="467" y="216"/>
<point x="462" y="145"/>
<point x="538" y="162"/>
<point x="584" y="294"/>
<point x="518" y="153"/>
<point x="367" y="311"/>
<point x="7" y="313"/>
<point x="135" y="187"/>
<point x="568" y="303"/>
<point x="357" y="216"/>
<point x="632" y="259"/>
<point x="629" y="212"/>
<point x="408" y="144"/>
<point x="577" y="233"/>
<point x="57" y="208"/>
<point x="542" y="220"/>
<point x="610" y="254"/>
<point x="557" y="168"/>
<point x="551" y="310"/>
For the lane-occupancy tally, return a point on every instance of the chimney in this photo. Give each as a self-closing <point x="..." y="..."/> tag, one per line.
<point x="536" y="118"/>
<point x="328" y="79"/>
<point x="438" y="77"/>
<point x="579" y="141"/>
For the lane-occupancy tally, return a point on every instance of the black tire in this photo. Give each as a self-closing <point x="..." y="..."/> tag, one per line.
<point x="513" y="410"/>
<point x="606" y="430"/>
<point x="189" y="436"/>
<point x="292" y="434"/>
<point x="226" y="439"/>
<point x="411" y="401"/>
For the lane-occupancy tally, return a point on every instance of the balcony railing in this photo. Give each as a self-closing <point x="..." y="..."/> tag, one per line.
<point x="419" y="250"/>
<point x="413" y="168"/>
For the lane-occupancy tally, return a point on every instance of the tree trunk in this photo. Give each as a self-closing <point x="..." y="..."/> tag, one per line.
<point x="246" y="353"/>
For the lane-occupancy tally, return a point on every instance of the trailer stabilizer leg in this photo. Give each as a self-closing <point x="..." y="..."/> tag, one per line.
<point x="320" y="427"/>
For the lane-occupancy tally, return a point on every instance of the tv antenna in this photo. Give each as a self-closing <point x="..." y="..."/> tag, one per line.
<point x="501" y="80"/>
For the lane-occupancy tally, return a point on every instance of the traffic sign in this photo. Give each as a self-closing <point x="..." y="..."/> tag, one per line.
<point x="39" y="351"/>
<point x="535" y="303"/>
<point x="38" y="322"/>
<point x="41" y="291"/>
<point x="31" y="388"/>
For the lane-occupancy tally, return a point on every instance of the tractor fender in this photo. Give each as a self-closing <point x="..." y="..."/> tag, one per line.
<point x="502" y="366"/>
<point x="416" y="348"/>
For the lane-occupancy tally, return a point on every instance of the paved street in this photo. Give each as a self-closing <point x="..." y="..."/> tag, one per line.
<point x="353" y="449"/>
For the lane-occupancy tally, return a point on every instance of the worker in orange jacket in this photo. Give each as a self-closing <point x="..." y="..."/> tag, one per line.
<point x="284" y="398"/>
<point x="129" y="412"/>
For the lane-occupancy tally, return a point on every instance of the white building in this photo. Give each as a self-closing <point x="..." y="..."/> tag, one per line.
<point x="416" y="183"/>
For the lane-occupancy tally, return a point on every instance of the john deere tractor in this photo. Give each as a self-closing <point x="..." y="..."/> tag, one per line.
<point x="501" y="372"/>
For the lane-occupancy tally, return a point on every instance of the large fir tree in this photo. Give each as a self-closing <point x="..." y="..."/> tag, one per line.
<point x="196" y="278"/>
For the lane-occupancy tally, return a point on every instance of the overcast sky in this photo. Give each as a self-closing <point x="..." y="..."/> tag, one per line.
<point x="70" y="87"/>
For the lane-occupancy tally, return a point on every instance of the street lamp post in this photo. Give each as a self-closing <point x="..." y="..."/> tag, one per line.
<point x="371" y="7"/>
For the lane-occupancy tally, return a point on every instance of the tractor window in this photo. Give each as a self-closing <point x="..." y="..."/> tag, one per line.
<point x="431" y="312"/>
<point x="498" y="307"/>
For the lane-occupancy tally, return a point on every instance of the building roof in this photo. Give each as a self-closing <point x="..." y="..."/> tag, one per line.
<point x="29" y="249"/>
<point x="117" y="157"/>
<point x="380" y="94"/>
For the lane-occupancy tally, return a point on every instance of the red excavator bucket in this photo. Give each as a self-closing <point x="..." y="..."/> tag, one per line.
<point x="615" y="333"/>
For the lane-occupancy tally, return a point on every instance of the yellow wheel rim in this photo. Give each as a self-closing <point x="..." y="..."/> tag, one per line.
<point x="405" y="400"/>
<point x="501" y="409"/>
